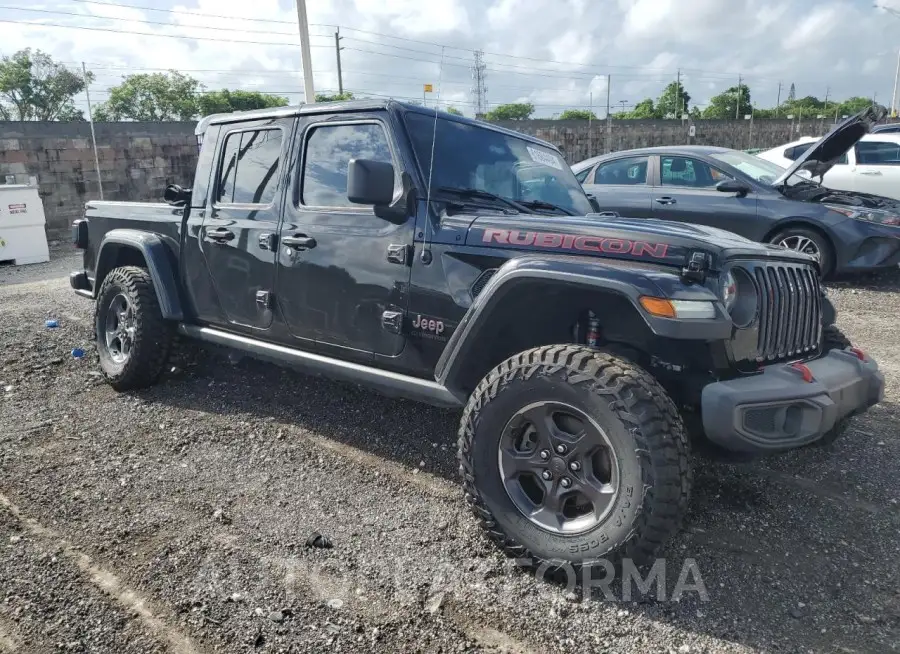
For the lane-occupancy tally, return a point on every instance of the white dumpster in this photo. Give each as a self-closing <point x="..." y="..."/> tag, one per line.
<point x="22" y="236"/>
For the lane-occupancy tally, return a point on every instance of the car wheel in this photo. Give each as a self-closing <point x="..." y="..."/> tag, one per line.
<point x="569" y="455"/>
<point x="810" y="242"/>
<point x="133" y="339"/>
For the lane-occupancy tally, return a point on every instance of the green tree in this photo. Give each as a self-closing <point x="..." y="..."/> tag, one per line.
<point x="514" y="111"/>
<point x="853" y="105"/>
<point x="577" y="114"/>
<point x="156" y="97"/>
<point x="643" y="110"/>
<point x="454" y="111"/>
<point x="226" y="100"/>
<point x="34" y="87"/>
<point x="723" y="106"/>
<point x="322" y="97"/>
<point x="673" y="102"/>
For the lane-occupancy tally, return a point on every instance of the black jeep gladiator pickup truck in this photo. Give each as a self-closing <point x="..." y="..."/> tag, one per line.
<point x="457" y="263"/>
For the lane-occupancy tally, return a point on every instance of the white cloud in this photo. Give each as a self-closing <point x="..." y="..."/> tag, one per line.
<point x="569" y="46"/>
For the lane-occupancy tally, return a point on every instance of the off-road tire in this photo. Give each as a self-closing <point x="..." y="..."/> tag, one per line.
<point x="642" y="423"/>
<point x="152" y="334"/>
<point x="834" y="339"/>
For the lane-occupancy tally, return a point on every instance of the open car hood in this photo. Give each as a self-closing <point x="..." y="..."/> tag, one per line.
<point x="819" y="159"/>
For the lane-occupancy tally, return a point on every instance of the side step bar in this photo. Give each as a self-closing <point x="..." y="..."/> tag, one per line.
<point x="389" y="383"/>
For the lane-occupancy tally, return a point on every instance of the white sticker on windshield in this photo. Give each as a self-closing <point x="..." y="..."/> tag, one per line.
<point x="545" y="158"/>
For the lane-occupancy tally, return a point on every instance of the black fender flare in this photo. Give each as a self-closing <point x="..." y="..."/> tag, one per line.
<point x="623" y="279"/>
<point x="160" y="264"/>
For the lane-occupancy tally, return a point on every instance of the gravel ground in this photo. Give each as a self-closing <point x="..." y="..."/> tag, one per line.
<point x="175" y="519"/>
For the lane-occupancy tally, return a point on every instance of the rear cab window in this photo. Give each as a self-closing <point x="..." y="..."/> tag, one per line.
<point x="249" y="166"/>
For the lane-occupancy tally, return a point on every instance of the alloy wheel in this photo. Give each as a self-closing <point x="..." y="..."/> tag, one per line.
<point x="800" y="244"/>
<point x="120" y="329"/>
<point x="558" y="467"/>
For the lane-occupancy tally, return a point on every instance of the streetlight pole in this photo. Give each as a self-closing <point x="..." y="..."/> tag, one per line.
<point x="308" y="91"/>
<point x="896" y="14"/>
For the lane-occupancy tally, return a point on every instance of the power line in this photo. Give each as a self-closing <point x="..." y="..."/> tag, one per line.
<point x="167" y="36"/>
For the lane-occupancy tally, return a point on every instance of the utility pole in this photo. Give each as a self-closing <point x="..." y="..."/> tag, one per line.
<point x="827" y="91"/>
<point x="337" y="51"/>
<point x="678" y="94"/>
<point x="778" y="101"/>
<point x="87" y="91"/>
<point x="608" y="115"/>
<point x="309" y="93"/>
<point x="894" y="94"/>
<point x="737" y="108"/>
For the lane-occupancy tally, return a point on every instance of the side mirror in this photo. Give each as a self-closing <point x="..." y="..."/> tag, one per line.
<point x="370" y="182"/>
<point x="733" y="186"/>
<point x="177" y="196"/>
<point x="595" y="204"/>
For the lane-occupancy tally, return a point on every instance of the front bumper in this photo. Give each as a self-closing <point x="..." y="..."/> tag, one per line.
<point x="778" y="410"/>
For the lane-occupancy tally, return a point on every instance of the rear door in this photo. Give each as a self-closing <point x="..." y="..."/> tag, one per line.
<point x="686" y="191"/>
<point x="343" y="271"/>
<point x="877" y="169"/>
<point x="237" y="235"/>
<point x="620" y="186"/>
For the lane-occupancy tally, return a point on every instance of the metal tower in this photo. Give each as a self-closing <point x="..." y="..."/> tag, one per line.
<point x="479" y="90"/>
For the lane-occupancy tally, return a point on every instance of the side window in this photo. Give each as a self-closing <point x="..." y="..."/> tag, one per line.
<point x="329" y="149"/>
<point x="683" y="171"/>
<point x="627" y="171"/>
<point x="880" y="153"/>
<point x="248" y="173"/>
<point x="580" y="177"/>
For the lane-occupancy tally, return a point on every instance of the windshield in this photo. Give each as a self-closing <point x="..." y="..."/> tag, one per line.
<point x="471" y="157"/>
<point x="762" y="170"/>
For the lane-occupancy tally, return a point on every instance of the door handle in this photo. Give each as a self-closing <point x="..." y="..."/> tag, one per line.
<point x="220" y="234"/>
<point x="870" y="172"/>
<point x="299" y="241"/>
<point x="665" y="200"/>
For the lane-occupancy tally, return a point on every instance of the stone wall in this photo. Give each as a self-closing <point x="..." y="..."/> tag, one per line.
<point x="137" y="161"/>
<point x="578" y="140"/>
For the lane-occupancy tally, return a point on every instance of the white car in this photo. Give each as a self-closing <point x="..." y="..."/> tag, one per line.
<point x="872" y="165"/>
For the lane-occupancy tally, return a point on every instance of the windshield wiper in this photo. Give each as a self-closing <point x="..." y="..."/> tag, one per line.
<point x="540" y="204"/>
<point x="484" y="195"/>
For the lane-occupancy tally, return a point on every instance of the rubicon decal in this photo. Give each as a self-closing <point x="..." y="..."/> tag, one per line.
<point x="552" y="240"/>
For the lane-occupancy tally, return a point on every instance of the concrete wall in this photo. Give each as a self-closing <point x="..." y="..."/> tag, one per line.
<point x="137" y="160"/>
<point x="579" y="141"/>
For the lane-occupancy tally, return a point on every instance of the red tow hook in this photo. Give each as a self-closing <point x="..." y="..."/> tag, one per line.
<point x="804" y="371"/>
<point x="859" y="353"/>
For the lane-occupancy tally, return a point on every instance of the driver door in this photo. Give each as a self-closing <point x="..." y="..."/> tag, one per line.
<point x="620" y="186"/>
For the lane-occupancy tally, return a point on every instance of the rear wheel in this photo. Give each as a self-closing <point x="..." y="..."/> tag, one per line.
<point x="807" y="241"/>
<point x="133" y="339"/>
<point x="569" y="455"/>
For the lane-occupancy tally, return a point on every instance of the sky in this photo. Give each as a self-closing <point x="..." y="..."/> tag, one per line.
<point x="556" y="54"/>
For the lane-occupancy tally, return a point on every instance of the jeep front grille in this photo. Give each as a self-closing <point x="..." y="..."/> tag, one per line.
<point x="790" y="310"/>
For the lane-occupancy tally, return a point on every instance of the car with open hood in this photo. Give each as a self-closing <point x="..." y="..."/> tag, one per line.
<point x="871" y="165"/>
<point x="845" y="230"/>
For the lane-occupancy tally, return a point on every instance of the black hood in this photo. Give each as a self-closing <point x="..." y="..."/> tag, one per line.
<point x="652" y="241"/>
<point x="819" y="159"/>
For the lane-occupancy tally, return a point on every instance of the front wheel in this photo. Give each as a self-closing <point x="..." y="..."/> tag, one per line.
<point x="133" y="339"/>
<point x="569" y="455"/>
<point x="807" y="241"/>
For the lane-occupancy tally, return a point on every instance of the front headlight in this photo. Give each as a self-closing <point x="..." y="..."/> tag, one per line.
<point x="728" y="290"/>
<point x="867" y="216"/>
<point x="738" y="294"/>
